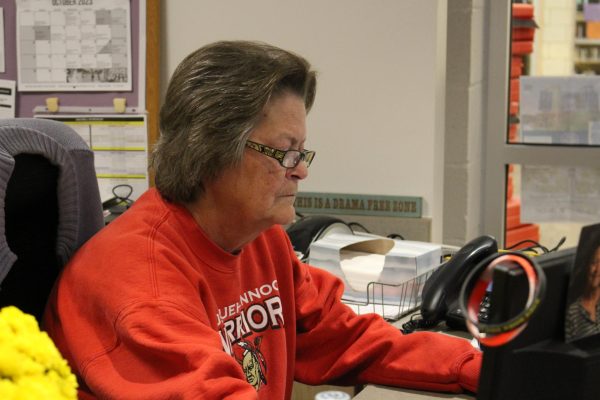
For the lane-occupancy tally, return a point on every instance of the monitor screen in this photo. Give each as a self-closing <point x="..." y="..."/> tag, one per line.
<point x="582" y="315"/>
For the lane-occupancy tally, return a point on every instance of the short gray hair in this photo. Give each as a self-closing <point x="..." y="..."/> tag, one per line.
<point x="213" y="102"/>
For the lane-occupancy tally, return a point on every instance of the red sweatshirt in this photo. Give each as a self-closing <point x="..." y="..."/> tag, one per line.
<point x="151" y="308"/>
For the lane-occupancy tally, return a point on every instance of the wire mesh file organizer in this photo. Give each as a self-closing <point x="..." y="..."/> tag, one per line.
<point x="380" y="275"/>
<point x="391" y="301"/>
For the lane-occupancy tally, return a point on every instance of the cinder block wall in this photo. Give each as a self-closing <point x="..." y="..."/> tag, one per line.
<point x="463" y="164"/>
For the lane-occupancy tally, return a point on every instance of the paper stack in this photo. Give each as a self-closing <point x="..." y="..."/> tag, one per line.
<point x="374" y="268"/>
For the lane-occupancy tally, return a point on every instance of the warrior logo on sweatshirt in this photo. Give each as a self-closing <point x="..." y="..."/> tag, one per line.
<point x="253" y="363"/>
<point x="256" y="311"/>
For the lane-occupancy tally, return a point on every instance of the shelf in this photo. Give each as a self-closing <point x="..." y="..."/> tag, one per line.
<point x="587" y="42"/>
<point x="587" y="50"/>
<point x="587" y="62"/>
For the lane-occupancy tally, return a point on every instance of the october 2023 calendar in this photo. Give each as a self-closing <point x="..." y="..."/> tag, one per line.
<point x="74" y="45"/>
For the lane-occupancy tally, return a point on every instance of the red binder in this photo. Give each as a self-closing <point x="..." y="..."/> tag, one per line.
<point x="522" y="47"/>
<point x="522" y="11"/>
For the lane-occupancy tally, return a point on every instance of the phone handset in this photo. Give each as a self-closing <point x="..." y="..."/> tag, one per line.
<point x="439" y="298"/>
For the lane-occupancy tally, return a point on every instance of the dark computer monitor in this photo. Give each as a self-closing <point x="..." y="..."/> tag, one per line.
<point x="539" y="363"/>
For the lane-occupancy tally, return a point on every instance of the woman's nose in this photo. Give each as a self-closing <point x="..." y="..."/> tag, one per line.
<point x="300" y="171"/>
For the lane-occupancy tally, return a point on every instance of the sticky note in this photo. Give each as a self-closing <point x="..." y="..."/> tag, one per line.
<point x="52" y="104"/>
<point x="119" y="104"/>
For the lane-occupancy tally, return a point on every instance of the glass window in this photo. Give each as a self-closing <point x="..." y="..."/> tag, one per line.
<point x="547" y="152"/>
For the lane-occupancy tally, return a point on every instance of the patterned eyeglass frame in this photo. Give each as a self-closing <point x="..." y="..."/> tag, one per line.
<point x="279" y="155"/>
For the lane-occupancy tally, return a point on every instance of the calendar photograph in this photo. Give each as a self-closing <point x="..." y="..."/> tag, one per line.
<point x="74" y="45"/>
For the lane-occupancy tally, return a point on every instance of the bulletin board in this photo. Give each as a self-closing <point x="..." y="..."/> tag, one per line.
<point x="141" y="98"/>
<point x="135" y="98"/>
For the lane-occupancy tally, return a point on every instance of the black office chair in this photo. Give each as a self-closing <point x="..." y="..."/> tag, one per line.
<point x="49" y="206"/>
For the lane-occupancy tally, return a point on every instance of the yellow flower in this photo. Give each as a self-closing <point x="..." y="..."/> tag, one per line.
<point x="31" y="367"/>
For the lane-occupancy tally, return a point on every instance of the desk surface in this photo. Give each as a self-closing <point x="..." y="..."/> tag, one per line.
<point x="378" y="392"/>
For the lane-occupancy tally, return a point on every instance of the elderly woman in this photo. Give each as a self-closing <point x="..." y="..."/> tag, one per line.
<point x="196" y="293"/>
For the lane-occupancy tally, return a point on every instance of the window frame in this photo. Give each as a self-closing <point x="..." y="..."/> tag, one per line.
<point x="498" y="154"/>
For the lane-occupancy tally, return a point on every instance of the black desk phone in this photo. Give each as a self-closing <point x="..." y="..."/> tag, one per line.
<point x="439" y="299"/>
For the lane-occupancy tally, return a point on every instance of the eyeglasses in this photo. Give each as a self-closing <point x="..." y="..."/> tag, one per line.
<point x="287" y="158"/>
